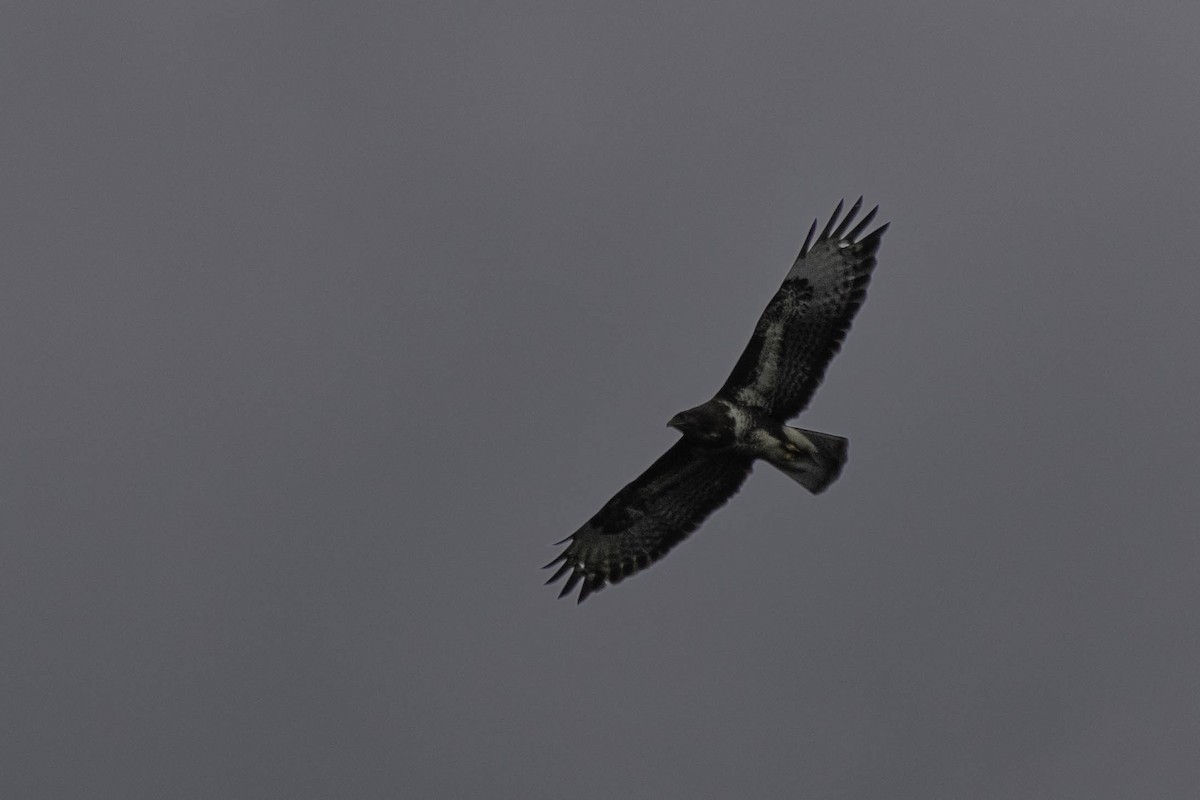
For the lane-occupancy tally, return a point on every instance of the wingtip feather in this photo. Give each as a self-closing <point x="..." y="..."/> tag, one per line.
<point x="832" y="220"/>
<point x="589" y="586"/>
<point x="808" y="239"/>
<point x="558" y="574"/>
<point x="572" y="582"/>
<point x="862" y="224"/>
<point x="846" y="220"/>
<point x="877" y="234"/>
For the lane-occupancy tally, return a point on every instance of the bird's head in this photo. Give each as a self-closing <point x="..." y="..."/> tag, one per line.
<point x="703" y="423"/>
<point x="683" y="422"/>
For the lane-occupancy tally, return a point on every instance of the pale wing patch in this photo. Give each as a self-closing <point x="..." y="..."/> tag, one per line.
<point x="742" y="421"/>
<point x="766" y="370"/>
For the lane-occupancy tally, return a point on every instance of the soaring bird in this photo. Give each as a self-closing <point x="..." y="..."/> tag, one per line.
<point x="799" y="332"/>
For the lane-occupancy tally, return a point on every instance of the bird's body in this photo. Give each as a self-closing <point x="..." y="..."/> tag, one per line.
<point x="795" y="338"/>
<point x="812" y="459"/>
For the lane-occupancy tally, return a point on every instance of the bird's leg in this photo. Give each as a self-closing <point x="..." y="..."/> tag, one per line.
<point x="796" y="444"/>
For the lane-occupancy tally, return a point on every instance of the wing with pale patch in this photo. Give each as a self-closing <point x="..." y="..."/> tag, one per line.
<point x="803" y="326"/>
<point x="649" y="516"/>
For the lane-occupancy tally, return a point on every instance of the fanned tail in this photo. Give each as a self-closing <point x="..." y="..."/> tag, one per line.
<point x="818" y="467"/>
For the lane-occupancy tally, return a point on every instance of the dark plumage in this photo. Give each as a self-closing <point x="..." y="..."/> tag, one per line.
<point x="799" y="332"/>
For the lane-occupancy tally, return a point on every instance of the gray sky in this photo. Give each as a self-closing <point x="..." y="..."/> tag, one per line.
<point x="321" y="323"/>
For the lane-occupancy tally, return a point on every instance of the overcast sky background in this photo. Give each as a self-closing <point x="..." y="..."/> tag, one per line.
<point x="321" y="322"/>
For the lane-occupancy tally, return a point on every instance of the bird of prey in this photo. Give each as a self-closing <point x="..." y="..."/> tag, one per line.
<point x="799" y="332"/>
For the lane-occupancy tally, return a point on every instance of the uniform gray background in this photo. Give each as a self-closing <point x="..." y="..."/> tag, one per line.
<point x="321" y="322"/>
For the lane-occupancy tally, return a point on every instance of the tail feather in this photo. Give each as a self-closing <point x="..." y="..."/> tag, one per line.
<point x="815" y="470"/>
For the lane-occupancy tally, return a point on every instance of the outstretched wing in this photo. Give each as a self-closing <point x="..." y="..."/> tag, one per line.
<point x="649" y="516"/>
<point x="803" y="326"/>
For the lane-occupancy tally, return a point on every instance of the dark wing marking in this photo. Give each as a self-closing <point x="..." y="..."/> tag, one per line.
<point x="651" y="515"/>
<point x="803" y="326"/>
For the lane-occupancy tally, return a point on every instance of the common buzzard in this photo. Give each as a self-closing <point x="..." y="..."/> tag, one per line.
<point x="801" y="329"/>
